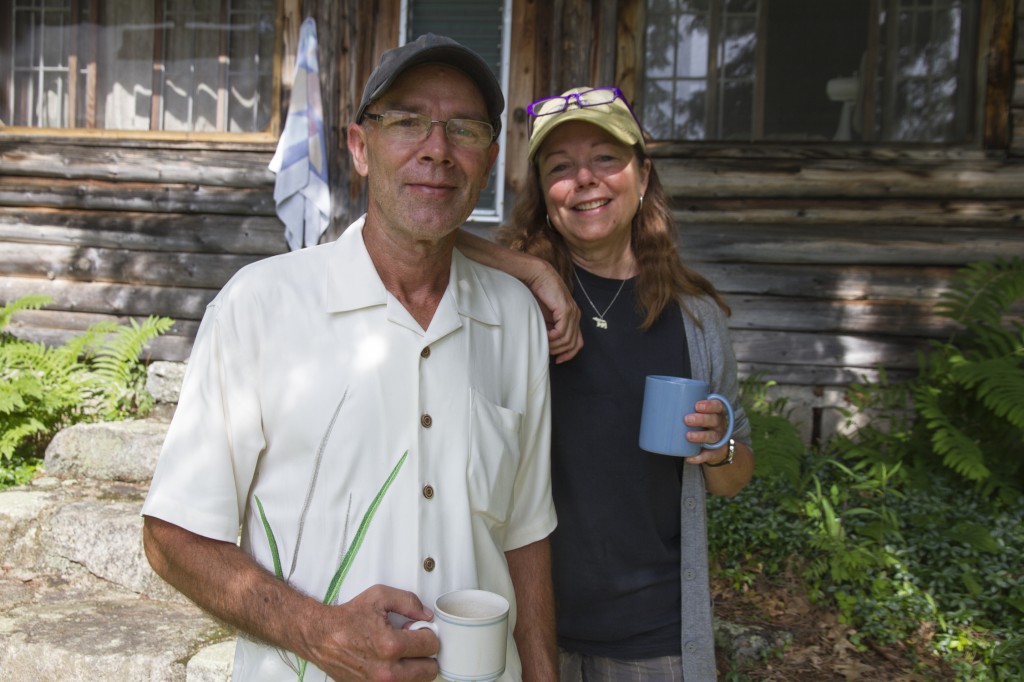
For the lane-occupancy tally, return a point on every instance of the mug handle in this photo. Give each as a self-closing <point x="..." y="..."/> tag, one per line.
<point x="420" y="624"/>
<point x="728" y="432"/>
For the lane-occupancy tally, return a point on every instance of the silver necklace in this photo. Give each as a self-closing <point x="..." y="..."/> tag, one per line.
<point x="599" y="321"/>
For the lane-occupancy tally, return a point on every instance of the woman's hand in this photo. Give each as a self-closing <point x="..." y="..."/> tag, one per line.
<point x="560" y="312"/>
<point x="726" y="480"/>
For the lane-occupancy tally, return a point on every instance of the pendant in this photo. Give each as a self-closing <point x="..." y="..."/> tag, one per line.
<point x="600" y="323"/>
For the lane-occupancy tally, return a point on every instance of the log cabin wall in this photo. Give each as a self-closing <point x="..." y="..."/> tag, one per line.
<point x="831" y="256"/>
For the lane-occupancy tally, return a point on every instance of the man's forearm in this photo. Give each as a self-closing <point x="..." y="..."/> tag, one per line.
<point x="227" y="583"/>
<point x="530" y="568"/>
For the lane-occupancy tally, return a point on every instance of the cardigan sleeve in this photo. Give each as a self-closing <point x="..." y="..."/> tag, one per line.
<point x="712" y="358"/>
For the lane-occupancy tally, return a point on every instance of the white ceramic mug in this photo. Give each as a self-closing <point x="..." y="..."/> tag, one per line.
<point x="473" y="628"/>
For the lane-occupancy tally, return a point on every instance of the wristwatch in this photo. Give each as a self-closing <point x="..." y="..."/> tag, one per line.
<point x="728" y="458"/>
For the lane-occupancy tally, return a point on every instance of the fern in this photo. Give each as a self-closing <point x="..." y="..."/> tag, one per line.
<point x="94" y="375"/>
<point x="31" y="302"/>
<point x="119" y="376"/>
<point x="776" y="441"/>
<point x="967" y="399"/>
<point x="982" y="292"/>
<point x="970" y="391"/>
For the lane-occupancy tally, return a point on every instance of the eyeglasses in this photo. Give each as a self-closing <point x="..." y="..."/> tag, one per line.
<point x="588" y="98"/>
<point x="406" y="126"/>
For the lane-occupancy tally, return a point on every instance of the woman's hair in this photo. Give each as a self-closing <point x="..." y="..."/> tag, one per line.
<point x="663" y="279"/>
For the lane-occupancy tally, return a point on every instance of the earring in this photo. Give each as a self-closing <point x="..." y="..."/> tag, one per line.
<point x="641" y="209"/>
<point x="548" y="218"/>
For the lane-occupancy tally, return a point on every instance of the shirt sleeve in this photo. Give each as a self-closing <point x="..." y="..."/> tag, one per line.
<point x="208" y="459"/>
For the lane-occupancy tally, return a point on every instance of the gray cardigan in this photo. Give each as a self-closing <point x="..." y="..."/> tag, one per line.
<point x="711" y="360"/>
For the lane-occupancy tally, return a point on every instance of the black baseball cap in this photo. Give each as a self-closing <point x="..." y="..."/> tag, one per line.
<point x="434" y="49"/>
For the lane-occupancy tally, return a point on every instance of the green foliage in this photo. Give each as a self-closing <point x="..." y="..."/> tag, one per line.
<point x="897" y="525"/>
<point x="774" y="437"/>
<point x="95" y="375"/>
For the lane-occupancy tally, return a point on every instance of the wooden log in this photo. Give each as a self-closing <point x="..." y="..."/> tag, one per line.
<point x="197" y="270"/>
<point x="170" y="347"/>
<point x="125" y="164"/>
<point x="99" y="195"/>
<point x="79" y="322"/>
<point x="816" y="375"/>
<point x="196" y="233"/>
<point x="829" y="350"/>
<point x="865" y="245"/>
<point x="835" y="282"/>
<point x="840" y="178"/>
<point x="877" y="319"/>
<point x="121" y="300"/>
<point x="895" y="212"/>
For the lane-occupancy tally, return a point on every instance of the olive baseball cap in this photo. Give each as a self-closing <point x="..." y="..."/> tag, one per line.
<point x="434" y="49"/>
<point x="615" y="117"/>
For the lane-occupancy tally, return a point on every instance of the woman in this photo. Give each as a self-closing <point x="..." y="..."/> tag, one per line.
<point x="630" y="551"/>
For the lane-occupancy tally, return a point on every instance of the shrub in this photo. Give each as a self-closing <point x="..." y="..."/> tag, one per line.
<point x="914" y="524"/>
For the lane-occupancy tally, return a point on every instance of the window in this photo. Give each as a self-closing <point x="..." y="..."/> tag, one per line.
<point x="483" y="26"/>
<point x="845" y="70"/>
<point x="163" y="65"/>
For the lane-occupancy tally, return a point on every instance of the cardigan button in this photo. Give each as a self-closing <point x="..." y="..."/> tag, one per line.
<point x="425" y="353"/>
<point x="689" y="574"/>
<point x="426" y="421"/>
<point x="690" y="502"/>
<point x="429" y="564"/>
<point x="428" y="491"/>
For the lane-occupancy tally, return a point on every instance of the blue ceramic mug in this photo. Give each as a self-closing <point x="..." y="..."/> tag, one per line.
<point x="667" y="400"/>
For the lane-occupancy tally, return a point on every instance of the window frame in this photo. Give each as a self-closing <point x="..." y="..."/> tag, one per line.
<point x="485" y="216"/>
<point x="992" y="64"/>
<point x="277" y="93"/>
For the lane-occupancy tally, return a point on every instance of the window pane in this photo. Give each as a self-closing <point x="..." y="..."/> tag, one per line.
<point x="173" y="65"/>
<point x="807" y="69"/>
<point x="678" y="43"/>
<point x="477" y="24"/>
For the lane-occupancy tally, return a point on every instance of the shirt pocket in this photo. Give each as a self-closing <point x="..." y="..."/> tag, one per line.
<point x="494" y="458"/>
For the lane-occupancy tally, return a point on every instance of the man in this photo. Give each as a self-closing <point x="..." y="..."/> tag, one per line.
<point x="373" y="414"/>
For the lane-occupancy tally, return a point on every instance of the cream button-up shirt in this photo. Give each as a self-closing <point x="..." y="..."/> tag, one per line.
<point x="310" y="385"/>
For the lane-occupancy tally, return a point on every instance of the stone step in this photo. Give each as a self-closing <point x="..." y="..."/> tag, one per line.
<point x="78" y="600"/>
<point x="63" y="634"/>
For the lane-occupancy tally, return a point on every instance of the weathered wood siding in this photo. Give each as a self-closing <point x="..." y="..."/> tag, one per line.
<point x="832" y="257"/>
<point x="112" y="230"/>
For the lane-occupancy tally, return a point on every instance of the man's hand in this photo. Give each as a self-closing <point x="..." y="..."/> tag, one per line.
<point x="352" y="641"/>
<point x="357" y="642"/>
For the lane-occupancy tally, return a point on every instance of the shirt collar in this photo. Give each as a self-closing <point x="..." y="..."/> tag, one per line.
<point x="353" y="283"/>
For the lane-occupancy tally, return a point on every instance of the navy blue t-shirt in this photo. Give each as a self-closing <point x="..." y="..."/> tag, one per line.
<point x="615" y="551"/>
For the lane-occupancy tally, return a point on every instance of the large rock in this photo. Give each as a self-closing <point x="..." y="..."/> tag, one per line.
<point x="107" y="638"/>
<point x="109" y="451"/>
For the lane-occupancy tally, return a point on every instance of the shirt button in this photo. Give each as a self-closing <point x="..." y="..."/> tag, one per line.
<point x="428" y="492"/>
<point x="428" y="564"/>
<point x="425" y="353"/>
<point x="426" y="421"/>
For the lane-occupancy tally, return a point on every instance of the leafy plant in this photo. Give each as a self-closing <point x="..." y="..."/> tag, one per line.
<point x="95" y="375"/>
<point x="896" y="524"/>
<point x="775" y="438"/>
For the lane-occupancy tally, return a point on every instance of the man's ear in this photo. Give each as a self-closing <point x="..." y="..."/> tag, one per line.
<point x="357" y="148"/>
